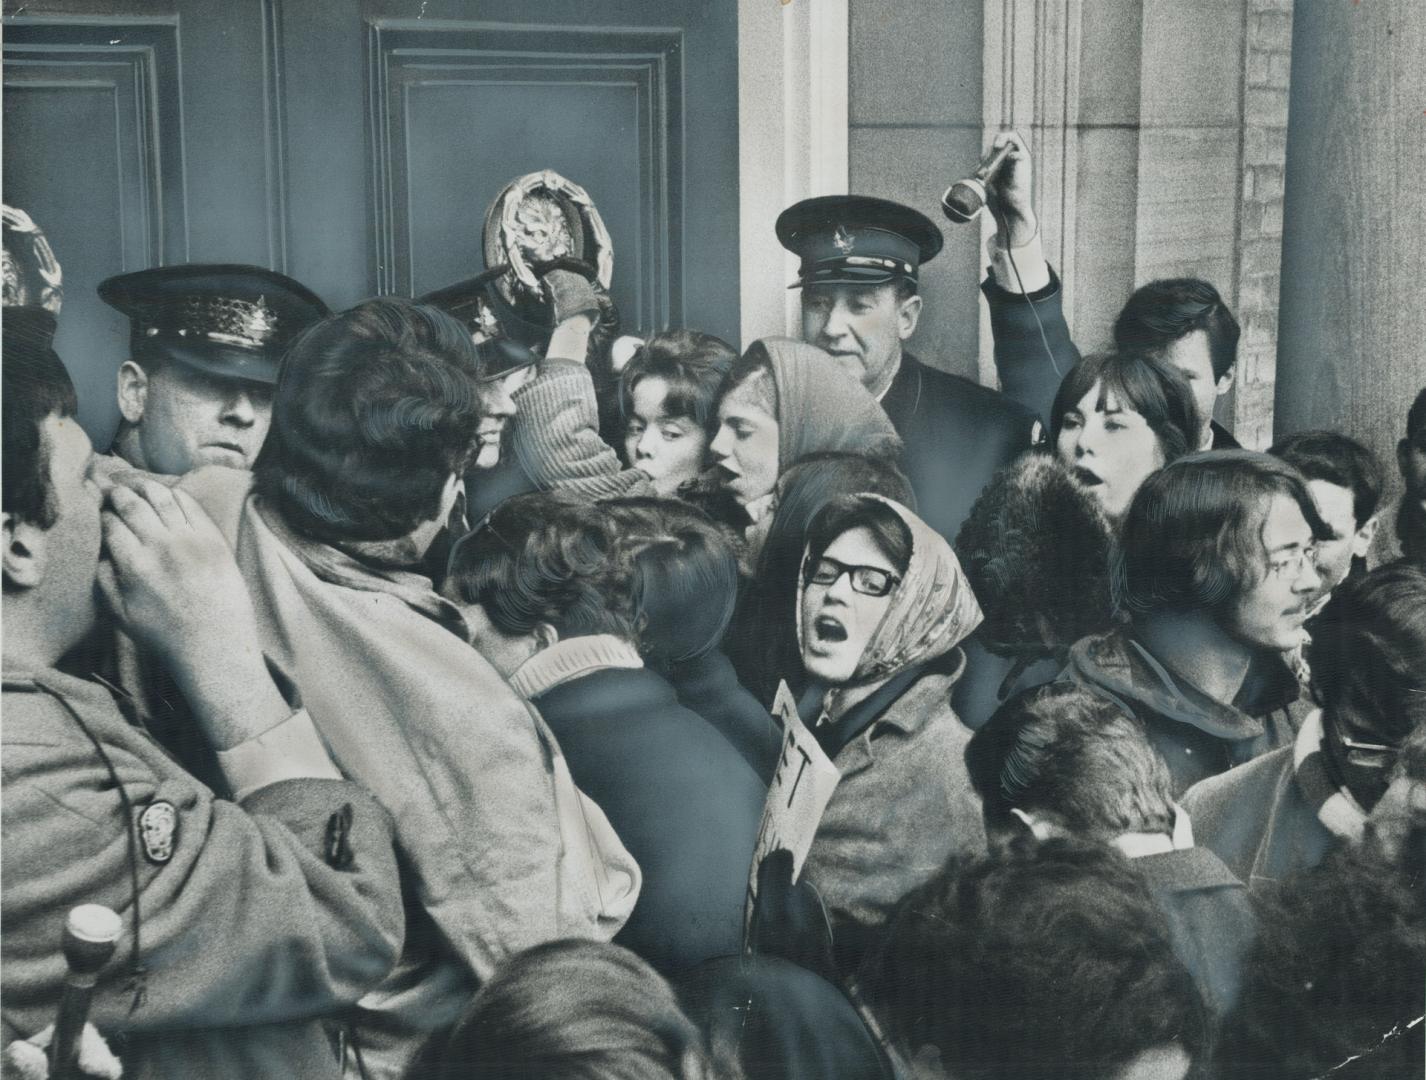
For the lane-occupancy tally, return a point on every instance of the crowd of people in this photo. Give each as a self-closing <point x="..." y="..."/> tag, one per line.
<point x="411" y="681"/>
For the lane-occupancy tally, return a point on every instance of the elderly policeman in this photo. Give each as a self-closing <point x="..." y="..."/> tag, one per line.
<point x="205" y="342"/>
<point x="860" y="302"/>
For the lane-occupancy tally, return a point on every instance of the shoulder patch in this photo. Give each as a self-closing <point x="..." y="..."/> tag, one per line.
<point x="158" y="830"/>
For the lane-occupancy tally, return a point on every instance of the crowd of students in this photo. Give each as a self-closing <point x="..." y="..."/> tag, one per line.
<point x="408" y="683"/>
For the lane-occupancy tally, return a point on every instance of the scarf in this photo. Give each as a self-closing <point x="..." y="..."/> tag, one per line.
<point x="1335" y="807"/>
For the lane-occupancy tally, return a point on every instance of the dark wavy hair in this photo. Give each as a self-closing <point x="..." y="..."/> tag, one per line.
<point x="375" y="410"/>
<point x="683" y="572"/>
<point x="1333" y="986"/>
<point x="545" y="557"/>
<point x="578" y="1010"/>
<point x="693" y="364"/>
<point x="847" y="512"/>
<point x="1041" y="961"/>
<point x="1326" y="455"/>
<point x="1192" y="538"/>
<point x="1063" y="751"/>
<point x="1153" y="389"/>
<point x="1035" y="550"/>
<point x="36" y="386"/>
<point x="1161" y="312"/>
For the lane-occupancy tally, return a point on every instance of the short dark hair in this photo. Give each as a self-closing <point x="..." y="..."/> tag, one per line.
<point x="1035" y="550"/>
<point x="37" y="386"/>
<point x="1064" y="751"/>
<point x="375" y="409"/>
<point x="1368" y="651"/>
<point x="1161" y="312"/>
<point x="684" y="576"/>
<point x="846" y="512"/>
<point x="1332" y="986"/>
<point x="572" y="1010"/>
<point x="692" y="363"/>
<point x="906" y="288"/>
<point x="1038" y="961"/>
<point x="1192" y="538"/>
<point x="1326" y="455"/>
<point x="545" y="557"/>
<point x="1416" y="417"/>
<point x="1153" y="389"/>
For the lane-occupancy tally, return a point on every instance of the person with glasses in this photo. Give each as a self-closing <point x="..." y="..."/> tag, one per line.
<point x="1214" y="573"/>
<point x="1286" y="810"/>
<point x="882" y="609"/>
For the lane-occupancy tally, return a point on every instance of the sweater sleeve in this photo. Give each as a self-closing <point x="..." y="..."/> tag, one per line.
<point x="555" y="436"/>
<point x="284" y="908"/>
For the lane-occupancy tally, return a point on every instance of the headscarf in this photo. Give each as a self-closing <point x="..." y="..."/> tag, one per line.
<point x="821" y="407"/>
<point x="932" y="610"/>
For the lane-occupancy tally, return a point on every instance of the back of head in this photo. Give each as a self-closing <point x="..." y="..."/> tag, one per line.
<point x="1161" y="312"/>
<point x="693" y="364"/>
<point x="1333" y="985"/>
<point x="375" y="410"/>
<point x="1039" y="961"/>
<point x="1192" y="539"/>
<point x="1035" y="549"/>
<point x="1326" y="455"/>
<point x="1141" y="382"/>
<point x="37" y="386"/>
<point x="544" y="558"/>
<point x="576" y="1010"/>
<point x="683" y="572"/>
<point x="1070" y="758"/>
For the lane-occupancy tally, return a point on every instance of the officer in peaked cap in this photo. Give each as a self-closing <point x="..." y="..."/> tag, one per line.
<point x="205" y="343"/>
<point x="859" y="276"/>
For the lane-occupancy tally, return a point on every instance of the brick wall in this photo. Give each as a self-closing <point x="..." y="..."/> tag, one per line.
<point x="1266" y="69"/>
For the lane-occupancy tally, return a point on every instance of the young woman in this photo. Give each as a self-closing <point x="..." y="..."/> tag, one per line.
<point x="1119" y="417"/>
<point x="784" y="400"/>
<point x="668" y="396"/>
<point x="882" y="609"/>
<point x="551" y="599"/>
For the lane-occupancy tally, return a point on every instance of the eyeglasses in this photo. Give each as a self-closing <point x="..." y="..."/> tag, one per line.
<point x="867" y="580"/>
<point x="1290" y="566"/>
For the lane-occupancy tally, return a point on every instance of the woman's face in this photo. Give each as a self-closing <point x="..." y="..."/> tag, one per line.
<point x="1111" y="450"/>
<point x="839" y="617"/>
<point x="666" y="449"/>
<point x="745" y="447"/>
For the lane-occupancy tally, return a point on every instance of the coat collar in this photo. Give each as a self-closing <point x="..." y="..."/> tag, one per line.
<point x="567" y="660"/>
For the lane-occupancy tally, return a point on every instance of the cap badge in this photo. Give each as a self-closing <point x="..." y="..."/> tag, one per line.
<point x="158" y="829"/>
<point x="842" y="240"/>
<point x="250" y="324"/>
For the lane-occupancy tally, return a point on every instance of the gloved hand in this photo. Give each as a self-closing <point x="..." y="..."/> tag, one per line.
<point x="570" y="294"/>
<point x="26" y="1059"/>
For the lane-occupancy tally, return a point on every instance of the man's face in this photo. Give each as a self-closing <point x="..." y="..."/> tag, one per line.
<point x="862" y="326"/>
<point x="1411" y="459"/>
<point x="1190" y="355"/>
<point x="1270" y="613"/>
<point x="1334" y="556"/>
<point x="72" y="543"/>
<point x="497" y="407"/>
<point x="191" y="418"/>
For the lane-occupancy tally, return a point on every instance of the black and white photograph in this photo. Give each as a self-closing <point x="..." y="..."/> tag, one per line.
<point x="713" y="540"/>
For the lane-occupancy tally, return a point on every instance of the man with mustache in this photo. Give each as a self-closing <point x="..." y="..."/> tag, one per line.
<point x="205" y="341"/>
<point x="1217" y="572"/>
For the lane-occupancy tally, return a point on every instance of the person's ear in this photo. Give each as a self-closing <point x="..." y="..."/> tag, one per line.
<point x="24" y="552"/>
<point x="133" y="391"/>
<point x="1224" y="383"/>
<point x="908" y="314"/>
<point x="1363" y="537"/>
<point x="545" y="635"/>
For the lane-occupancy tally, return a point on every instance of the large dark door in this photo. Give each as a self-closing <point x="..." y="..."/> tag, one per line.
<point x="355" y="145"/>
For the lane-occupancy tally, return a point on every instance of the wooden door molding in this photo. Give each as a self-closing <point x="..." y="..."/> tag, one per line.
<point x="409" y="61"/>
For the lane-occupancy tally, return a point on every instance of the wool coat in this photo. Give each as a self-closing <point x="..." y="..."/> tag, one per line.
<point x="249" y="936"/>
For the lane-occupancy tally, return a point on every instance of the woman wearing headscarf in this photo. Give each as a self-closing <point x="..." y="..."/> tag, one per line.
<point x="784" y="400"/>
<point x="881" y="612"/>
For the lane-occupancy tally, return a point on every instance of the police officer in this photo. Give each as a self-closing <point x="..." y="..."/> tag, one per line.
<point x="205" y="341"/>
<point x="860" y="302"/>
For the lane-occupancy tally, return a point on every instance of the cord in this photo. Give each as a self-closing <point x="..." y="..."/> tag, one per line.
<point x="1020" y="283"/>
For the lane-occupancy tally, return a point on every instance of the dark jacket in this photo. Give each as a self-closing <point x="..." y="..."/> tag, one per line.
<point x="681" y="798"/>
<point x="1197" y="736"/>
<point x="957" y="432"/>
<point x="1210" y="918"/>
<point x="709" y="686"/>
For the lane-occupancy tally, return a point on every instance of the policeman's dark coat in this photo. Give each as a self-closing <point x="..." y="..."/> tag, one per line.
<point x="957" y="432"/>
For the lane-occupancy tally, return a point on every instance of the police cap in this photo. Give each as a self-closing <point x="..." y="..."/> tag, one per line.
<point x="856" y="240"/>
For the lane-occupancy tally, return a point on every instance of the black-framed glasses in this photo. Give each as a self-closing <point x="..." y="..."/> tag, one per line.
<point x="867" y="580"/>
